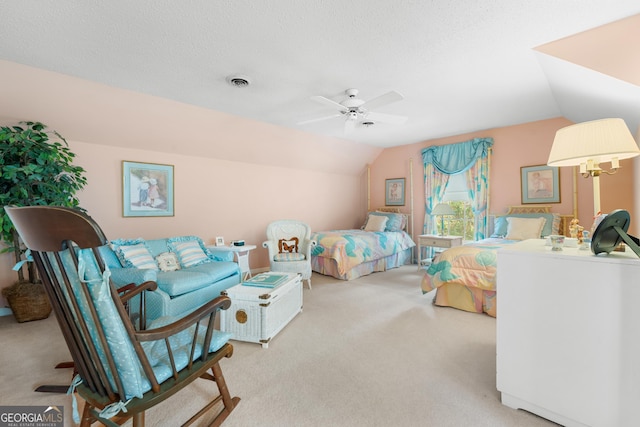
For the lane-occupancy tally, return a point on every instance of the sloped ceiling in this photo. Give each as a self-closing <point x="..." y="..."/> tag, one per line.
<point x="462" y="66"/>
<point x="596" y="73"/>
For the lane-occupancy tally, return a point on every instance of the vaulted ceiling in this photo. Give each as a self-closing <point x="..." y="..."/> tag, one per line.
<point x="460" y="65"/>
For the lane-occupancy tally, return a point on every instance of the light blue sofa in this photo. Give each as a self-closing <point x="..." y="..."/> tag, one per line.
<point x="178" y="291"/>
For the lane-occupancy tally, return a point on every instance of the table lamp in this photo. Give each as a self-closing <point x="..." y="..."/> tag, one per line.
<point x="441" y="210"/>
<point x="590" y="143"/>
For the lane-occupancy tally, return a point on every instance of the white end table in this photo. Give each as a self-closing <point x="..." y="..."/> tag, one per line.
<point x="242" y="257"/>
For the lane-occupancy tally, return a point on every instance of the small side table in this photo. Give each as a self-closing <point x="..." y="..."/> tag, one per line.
<point x="242" y="257"/>
<point x="435" y="241"/>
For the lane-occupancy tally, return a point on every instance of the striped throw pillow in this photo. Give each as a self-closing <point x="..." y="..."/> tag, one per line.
<point x="190" y="253"/>
<point x="138" y="256"/>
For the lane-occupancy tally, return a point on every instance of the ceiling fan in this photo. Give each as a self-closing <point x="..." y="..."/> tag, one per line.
<point x="357" y="111"/>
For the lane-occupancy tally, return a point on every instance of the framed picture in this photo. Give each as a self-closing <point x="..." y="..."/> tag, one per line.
<point x="219" y="241"/>
<point x="540" y="184"/>
<point x="394" y="192"/>
<point x="147" y="189"/>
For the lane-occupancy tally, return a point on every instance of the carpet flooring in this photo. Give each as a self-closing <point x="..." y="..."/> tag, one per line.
<point x="368" y="352"/>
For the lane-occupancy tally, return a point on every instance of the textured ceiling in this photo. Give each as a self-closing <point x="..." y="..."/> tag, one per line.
<point x="461" y="65"/>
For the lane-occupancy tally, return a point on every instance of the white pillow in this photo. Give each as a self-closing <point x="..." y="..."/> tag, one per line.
<point x="524" y="228"/>
<point x="168" y="261"/>
<point x="376" y="223"/>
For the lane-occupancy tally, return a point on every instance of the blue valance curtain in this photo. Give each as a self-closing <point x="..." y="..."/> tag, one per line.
<point x="455" y="158"/>
<point x="469" y="157"/>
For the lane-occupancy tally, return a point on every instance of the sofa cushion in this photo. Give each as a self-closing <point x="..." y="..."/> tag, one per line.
<point x="182" y="281"/>
<point x="157" y="246"/>
<point x="190" y="250"/>
<point x="134" y="253"/>
<point x="217" y="270"/>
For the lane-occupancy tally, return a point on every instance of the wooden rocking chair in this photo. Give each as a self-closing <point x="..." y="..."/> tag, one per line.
<point x="121" y="371"/>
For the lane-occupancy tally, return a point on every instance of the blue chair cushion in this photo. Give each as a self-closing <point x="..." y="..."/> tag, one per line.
<point x="180" y="343"/>
<point x="126" y="360"/>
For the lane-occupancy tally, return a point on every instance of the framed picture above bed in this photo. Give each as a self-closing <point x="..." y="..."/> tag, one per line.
<point x="394" y="192"/>
<point x="540" y="184"/>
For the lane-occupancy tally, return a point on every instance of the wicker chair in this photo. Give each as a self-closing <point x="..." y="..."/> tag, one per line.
<point x="289" y="244"/>
<point x="121" y="371"/>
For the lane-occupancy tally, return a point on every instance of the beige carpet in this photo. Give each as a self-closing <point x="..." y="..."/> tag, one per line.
<point x="369" y="352"/>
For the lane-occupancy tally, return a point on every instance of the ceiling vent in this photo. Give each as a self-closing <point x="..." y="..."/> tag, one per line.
<point x="238" y="80"/>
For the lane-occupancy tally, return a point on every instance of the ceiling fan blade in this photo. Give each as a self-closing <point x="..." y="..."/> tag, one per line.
<point x="330" y="103"/>
<point x="387" y="118"/>
<point x="319" y="119"/>
<point x="385" y="99"/>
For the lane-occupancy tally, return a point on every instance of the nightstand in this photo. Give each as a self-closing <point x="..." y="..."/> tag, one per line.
<point x="435" y="241"/>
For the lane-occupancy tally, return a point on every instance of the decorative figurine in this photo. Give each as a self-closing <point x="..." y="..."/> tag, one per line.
<point x="573" y="228"/>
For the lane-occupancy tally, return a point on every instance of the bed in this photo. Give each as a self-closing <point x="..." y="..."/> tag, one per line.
<point x="383" y="243"/>
<point x="464" y="277"/>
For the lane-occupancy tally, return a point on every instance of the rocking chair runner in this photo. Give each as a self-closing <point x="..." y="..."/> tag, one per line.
<point x="122" y="371"/>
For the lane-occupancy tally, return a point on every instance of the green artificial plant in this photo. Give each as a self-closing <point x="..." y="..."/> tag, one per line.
<point x="35" y="170"/>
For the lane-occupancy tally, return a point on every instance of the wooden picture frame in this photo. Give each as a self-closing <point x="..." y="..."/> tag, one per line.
<point x="394" y="192"/>
<point x="540" y="184"/>
<point x="147" y="189"/>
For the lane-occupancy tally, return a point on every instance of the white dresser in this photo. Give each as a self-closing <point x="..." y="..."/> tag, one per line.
<point x="568" y="334"/>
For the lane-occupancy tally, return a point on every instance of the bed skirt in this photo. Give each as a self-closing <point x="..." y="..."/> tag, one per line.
<point x="464" y="298"/>
<point x="329" y="266"/>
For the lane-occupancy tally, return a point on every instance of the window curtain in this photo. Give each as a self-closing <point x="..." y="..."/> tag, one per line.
<point x="470" y="157"/>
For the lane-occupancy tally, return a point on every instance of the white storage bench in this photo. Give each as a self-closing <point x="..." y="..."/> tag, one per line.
<point x="257" y="314"/>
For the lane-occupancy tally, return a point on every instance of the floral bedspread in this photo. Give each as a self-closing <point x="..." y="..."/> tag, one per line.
<point x="473" y="265"/>
<point x="353" y="247"/>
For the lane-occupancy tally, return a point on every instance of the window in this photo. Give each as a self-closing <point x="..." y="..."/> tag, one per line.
<point x="457" y="195"/>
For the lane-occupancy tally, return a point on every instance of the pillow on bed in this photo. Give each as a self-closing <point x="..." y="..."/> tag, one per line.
<point x="376" y="223"/>
<point x="551" y="226"/>
<point x="524" y="228"/>
<point x="395" y="221"/>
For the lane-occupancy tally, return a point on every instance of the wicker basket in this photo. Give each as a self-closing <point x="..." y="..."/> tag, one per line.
<point x="28" y="301"/>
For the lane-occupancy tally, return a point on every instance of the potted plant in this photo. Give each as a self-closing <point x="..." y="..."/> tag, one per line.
<point x="34" y="170"/>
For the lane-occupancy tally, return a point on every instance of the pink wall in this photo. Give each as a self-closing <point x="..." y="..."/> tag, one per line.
<point x="232" y="175"/>
<point x="514" y="146"/>
<point x="236" y="200"/>
<point x="215" y="198"/>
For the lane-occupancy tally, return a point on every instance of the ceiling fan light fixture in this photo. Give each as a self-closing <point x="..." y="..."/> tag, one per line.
<point x="238" y="80"/>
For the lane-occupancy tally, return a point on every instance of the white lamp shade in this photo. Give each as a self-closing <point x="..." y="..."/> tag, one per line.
<point x="597" y="141"/>
<point x="443" y="209"/>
